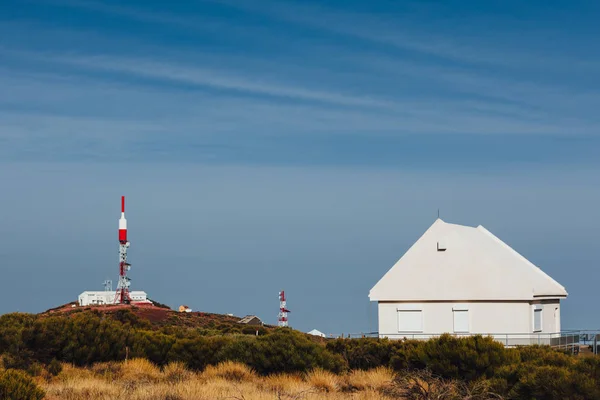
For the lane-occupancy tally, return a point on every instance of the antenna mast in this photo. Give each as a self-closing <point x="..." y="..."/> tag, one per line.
<point x="122" y="295"/>
<point x="282" y="319"/>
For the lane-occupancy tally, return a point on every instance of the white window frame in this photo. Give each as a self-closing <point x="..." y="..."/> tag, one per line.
<point x="537" y="308"/>
<point x="409" y="308"/>
<point x="461" y="308"/>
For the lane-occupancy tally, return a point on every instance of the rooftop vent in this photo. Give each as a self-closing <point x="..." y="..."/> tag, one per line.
<point x="441" y="245"/>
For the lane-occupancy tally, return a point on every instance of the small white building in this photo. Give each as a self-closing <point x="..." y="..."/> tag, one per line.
<point x="315" y="332"/>
<point x="90" y="298"/>
<point x="464" y="280"/>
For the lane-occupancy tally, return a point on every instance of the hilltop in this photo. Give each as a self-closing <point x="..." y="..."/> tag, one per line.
<point x="160" y="317"/>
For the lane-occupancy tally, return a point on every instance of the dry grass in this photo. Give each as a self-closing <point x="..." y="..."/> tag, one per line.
<point x="285" y="384"/>
<point x="141" y="380"/>
<point x="374" y="379"/>
<point x="82" y="388"/>
<point x="70" y="373"/>
<point x="176" y="372"/>
<point x="108" y="370"/>
<point x="230" y="371"/>
<point x="140" y="371"/>
<point x="324" y="381"/>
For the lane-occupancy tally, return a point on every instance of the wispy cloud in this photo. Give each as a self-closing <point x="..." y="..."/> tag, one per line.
<point x="101" y="97"/>
<point x="527" y="102"/>
<point x="221" y="80"/>
<point x="127" y="11"/>
<point x="403" y="33"/>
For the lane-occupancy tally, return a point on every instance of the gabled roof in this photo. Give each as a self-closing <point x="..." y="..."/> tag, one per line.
<point x="315" y="332"/>
<point x="249" y="318"/>
<point x="475" y="265"/>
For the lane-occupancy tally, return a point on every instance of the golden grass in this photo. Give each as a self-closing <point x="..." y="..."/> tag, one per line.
<point x="141" y="380"/>
<point x="230" y="371"/>
<point x="140" y="371"/>
<point x="373" y="379"/>
<point x="285" y="384"/>
<point x="82" y="388"/>
<point x="323" y="380"/>
<point x="176" y="372"/>
<point x="108" y="370"/>
<point x="70" y="373"/>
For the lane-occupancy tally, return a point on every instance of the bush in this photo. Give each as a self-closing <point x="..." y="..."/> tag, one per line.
<point x="54" y="368"/>
<point x="551" y="382"/>
<point x="543" y="355"/>
<point x="589" y="366"/>
<point x="365" y="353"/>
<point x="469" y="358"/>
<point x="289" y="351"/>
<point x="17" y="385"/>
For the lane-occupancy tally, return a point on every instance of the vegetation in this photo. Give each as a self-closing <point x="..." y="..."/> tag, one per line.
<point x="139" y="380"/>
<point x="78" y="354"/>
<point x="17" y="385"/>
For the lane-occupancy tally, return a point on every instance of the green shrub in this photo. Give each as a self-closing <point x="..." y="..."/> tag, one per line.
<point x="468" y="358"/>
<point x="543" y="355"/>
<point x="552" y="382"/>
<point x="17" y="385"/>
<point x="589" y="366"/>
<point x="55" y="367"/>
<point x="364" y="353"/>
<point x="286" y="350"/>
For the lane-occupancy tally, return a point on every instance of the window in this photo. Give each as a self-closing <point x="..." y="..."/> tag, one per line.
<point x="410" y="321"/>
<point x="461" y="320"/>
<point x="537" y="319"/>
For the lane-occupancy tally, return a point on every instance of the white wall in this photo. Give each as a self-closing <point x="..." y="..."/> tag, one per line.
<point x="549" y="323"/>
<point x="102" y="297"/>
<point x="484" y="317"/>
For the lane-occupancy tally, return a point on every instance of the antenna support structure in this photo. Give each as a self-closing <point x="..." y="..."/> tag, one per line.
<point x="122" y="295"/>
<point x="282" y="320"/>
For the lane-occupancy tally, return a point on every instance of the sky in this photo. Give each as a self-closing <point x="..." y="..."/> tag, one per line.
<point x="296" y="145"/>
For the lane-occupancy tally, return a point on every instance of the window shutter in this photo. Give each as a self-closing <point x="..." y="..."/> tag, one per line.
<point x="537" y="320"/>
<point x="461" y="321"/>
<point x="410" y="321"/>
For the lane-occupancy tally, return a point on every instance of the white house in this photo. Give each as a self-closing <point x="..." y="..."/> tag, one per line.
<point x="464" y="280"/>
<point x="90" y="298"/>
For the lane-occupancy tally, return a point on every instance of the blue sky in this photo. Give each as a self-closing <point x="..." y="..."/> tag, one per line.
<point x="302" y="145"/>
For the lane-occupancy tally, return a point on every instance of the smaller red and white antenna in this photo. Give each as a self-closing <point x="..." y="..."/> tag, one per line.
<point x="282" y="319"/>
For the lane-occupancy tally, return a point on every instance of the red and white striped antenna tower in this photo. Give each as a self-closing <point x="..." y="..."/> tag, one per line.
<point x="122" y="296"/>
<point x="282" y="319"/>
